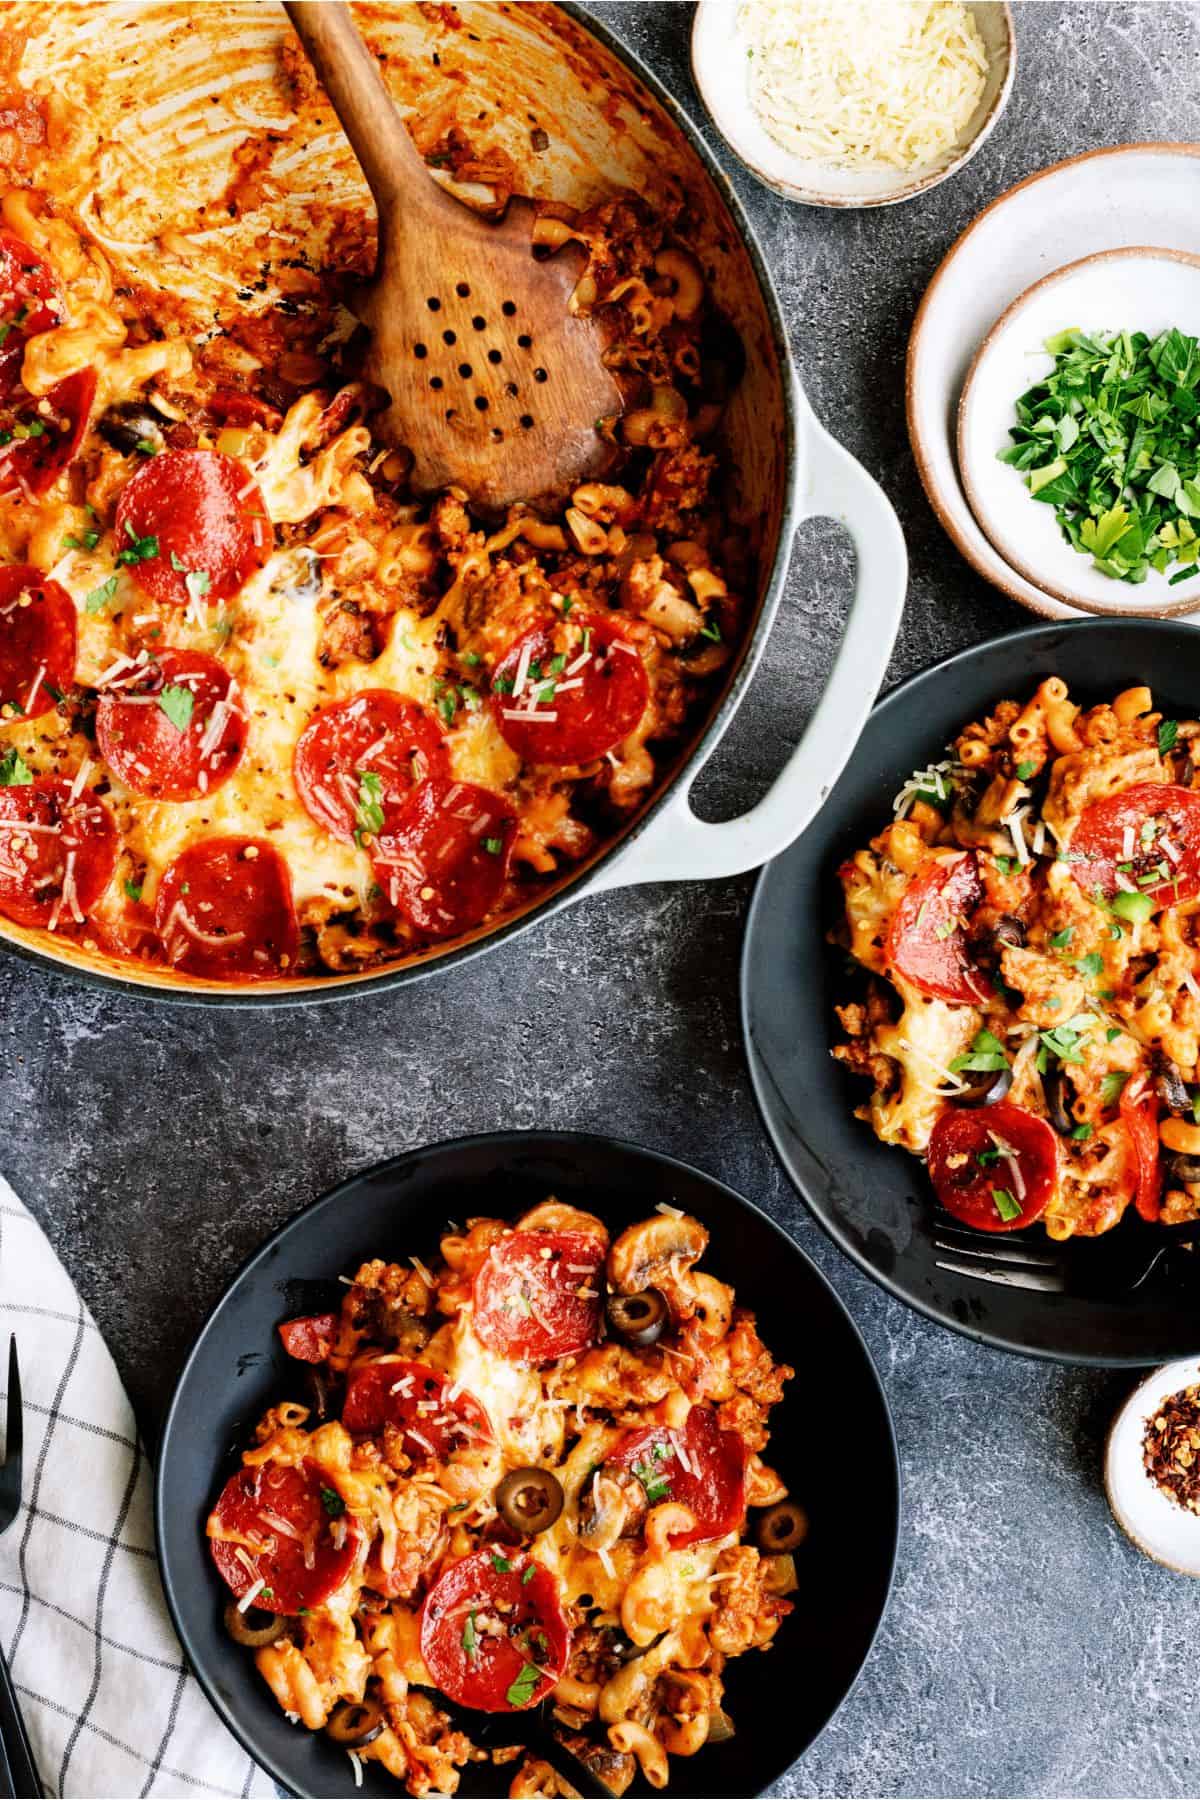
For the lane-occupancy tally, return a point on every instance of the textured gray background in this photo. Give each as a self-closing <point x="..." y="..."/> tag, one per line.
<point x="1029" y="1650"/>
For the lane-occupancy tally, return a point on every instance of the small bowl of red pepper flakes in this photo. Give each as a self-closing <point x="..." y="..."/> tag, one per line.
<point x="1152" y="1466"/>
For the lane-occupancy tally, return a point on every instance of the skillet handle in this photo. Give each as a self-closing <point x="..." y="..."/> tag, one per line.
<point x="676" y="845"/>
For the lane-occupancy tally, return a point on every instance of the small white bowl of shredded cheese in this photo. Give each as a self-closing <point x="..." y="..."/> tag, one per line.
<point x="853" y="102"/>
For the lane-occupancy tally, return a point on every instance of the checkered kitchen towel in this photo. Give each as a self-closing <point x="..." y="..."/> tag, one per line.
<point x="111" y="1708"/>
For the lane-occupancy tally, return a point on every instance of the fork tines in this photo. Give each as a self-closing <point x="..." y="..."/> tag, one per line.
<point x="1007" y="1265"/>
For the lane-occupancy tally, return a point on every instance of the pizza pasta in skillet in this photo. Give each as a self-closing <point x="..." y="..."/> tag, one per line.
<point x="266" y="713"/>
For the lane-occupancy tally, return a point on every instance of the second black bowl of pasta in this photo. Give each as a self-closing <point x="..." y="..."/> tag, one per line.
<point x="470" y="1485"/>
<point x="992" y="926"/>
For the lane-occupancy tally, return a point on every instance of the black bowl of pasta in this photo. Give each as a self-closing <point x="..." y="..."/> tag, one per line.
<point x="991" y="925"/>
<point x="466" y="1312"/>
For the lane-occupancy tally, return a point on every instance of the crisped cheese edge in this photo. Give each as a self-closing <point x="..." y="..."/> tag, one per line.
<point x="860" y="84"/>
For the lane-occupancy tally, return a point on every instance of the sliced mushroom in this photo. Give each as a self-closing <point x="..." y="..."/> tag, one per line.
<point x="1170" y="1086"/>
<point x="255" y="1627"/>
<point x="1185" y="1169"/>
<point x="130" y="426"/>
<point x="655" y="1252"/>
<point x="720" y="1726"/>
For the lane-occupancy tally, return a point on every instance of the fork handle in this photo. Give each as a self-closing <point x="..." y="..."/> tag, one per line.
<point x="18" y="1751"/>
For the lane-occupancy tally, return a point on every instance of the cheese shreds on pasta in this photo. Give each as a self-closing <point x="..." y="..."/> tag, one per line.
<point x="859" y="84"/>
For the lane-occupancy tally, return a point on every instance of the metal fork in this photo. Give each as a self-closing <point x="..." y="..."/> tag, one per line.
<point x="18" y="1771"/>
<point x="1102" y="1269"/>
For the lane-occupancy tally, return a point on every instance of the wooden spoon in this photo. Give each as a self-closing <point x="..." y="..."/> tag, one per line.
<point x="495" y="385"/>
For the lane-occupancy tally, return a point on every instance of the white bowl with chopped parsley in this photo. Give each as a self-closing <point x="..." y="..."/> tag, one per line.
<point x="1079" y="433"/>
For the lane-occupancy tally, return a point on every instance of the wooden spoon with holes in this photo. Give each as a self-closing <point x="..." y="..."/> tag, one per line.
<point x="495" y="385"/>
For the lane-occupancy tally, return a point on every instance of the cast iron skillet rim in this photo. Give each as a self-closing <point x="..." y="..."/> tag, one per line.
<point x="575" y="887"/>
<point x="535" y="1143"/>
<point x="1050" y="633"/>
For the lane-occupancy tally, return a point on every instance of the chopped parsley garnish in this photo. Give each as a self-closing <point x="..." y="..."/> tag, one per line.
<point x="87" y="541"/>
<point x="138" y="549"/>
<point x="133" y="890"/>
<point x="529" y="1574"/>
<point x="1168" y="732"/>
<point x="100" y="596"/>
<point x="1062" y="938"/>
<point x="470" y="1641"/>
<point x="503" y="684"/>
<point x="1024" y="770"/>
<point x="178" y="703"/>
<point x="500" y="1563"/>
<point x="1110" y="438"/>
<point x="1082" y="1133"/>
<point x="493" y="846"/>
<point x="14" y="771"/>
<point x="985" y="1158"/>
<point x="710" y="629"/>
<point x="1112" y="1086"/>
<point x="556" y="665"/>
<point x="1092" y="964"/>
<point x="471" y="658"/>
<point x="1006" y="1206"/>
<point x="522" y="1690"/>
<point x="986" y="1053"/>
<point x="368" y="812"/>
<point x="197" y="582"/>
<point x="333" y="1503"/>
<point x="1007" y="865"/>
<point x="1064" y="1041"/>
<point x="147" y="446"/>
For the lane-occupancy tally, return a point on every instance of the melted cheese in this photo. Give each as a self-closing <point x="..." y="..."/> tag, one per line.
<point x="528" y="1427"/>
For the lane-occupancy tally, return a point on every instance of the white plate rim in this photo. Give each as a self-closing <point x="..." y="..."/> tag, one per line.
<point x="1162" y="609"/>
<point x="1047" y="608"/>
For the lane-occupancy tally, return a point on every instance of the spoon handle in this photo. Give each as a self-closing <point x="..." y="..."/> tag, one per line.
<point x="391" y="162"/>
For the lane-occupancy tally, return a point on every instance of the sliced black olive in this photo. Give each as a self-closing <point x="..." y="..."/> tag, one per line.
<point x="1186" y="772"/>
<point x="984" y="1087"/>
<point x="129" y="426"/>
<point x="623" y="1648"/>
<point x="637" y="1319"/>
<point x="321" y="1392"/>
<point x="355" y="1723"/>
<point x="1008" y="933"/>
<point x="309" y="585"/>
<point x="1054" y="1086"/>
<point x="254" y="1627"/>
<point x="529" y="1500"/>
<point x="782" y="1527"/>
<point x="1184" y="1168"/>
<point x="720" y="1726"/>
<point x="1170" y="1086"/>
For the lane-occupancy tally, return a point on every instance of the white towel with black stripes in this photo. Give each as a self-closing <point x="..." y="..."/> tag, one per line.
<point x="110" y="1706"/>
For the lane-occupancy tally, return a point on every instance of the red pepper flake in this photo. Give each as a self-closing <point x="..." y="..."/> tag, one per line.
<point x="1171" y="1448"/>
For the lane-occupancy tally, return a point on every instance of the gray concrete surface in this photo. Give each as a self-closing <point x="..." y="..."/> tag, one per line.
<point x="1029" y="1650"/>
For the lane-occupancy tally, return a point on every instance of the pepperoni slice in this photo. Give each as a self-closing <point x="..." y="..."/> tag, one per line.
<point x="43" y="436"/>
<point x="709" y="1477"/>
<point x="357" y="762"/>
<point x="494" y="1635"/>
<point x="176" y="734"/>
<point x="436" y="1417"/>
<point x="37" y="641"/>
<point x="1146" y="840"/>
<point x="224" y="910"/>
<point x="569" y="692"/>
<point x="539" y="1294"/>
<point x="57" y="854"/>
<point x="30" y="300"/>
<point x="309" y="1340"/>
<point x="208" y="517"/>
<point x="927" y="940"/>
<point x="444" y="863"/>
<point x="1139" y="1112"/>
<point x="974" y="1178"/>
<point x="270" y="1522"/>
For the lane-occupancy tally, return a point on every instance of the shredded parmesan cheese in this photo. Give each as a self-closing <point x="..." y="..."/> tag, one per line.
<point x="251" y="1594"/>
<point x="861" y="85"/>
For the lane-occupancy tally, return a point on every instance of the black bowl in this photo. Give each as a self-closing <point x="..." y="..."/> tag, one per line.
<point x="874" y="1201"/>
<point x="779" y="1701"/>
